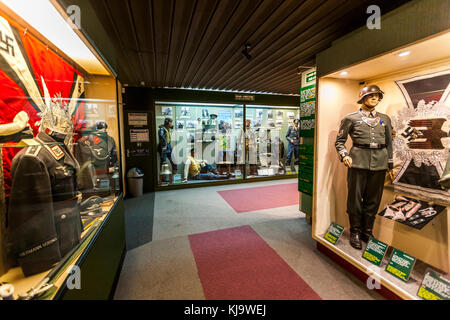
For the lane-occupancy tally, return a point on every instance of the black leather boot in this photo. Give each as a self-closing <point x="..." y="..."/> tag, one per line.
<point x="355" y="240"/>
<point x="355" y="231"/>
<point x="367" y="226"/>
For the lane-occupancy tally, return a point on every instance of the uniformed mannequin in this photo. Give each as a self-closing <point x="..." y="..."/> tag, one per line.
<point x="165" y="146"/>
<point x="44" y="216"/>
<point x="96" y="150"/>
<point x="293" y="137"/>
<point x="369" y="159"/>
<point x="247" y="140"/>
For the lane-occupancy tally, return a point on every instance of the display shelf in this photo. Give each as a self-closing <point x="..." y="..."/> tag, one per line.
<point x="436" y="198"/>
<point x="23" y="284"/>
<point x="407" y="290"/>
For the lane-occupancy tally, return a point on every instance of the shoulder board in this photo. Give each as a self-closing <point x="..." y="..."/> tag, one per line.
<point x="33" y="150"/>
<point x="55" y="151"/>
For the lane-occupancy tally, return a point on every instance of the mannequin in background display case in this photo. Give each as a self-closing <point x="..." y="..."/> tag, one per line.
<point x="96" y="152"/>
<point x="370" y="157"/>
<point x="165" y="144"/>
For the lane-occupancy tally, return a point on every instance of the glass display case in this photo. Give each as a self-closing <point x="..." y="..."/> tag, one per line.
<point x="60" y="159"/>
<point x="409" y="249"/>
<point x="209" y="142"/>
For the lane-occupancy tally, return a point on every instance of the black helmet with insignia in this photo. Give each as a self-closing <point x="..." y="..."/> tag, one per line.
<point x="369" y="90"/>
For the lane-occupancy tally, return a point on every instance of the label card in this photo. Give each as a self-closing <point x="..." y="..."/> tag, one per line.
<point x="434" y="287"/>
<point x="400" y="265"/>
<point x="334" y="233"/>
<point x="375" y="251"/>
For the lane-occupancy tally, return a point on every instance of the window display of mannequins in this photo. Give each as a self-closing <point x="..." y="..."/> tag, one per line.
<point x="44" y="217"/>
<point x="368" y="160"/>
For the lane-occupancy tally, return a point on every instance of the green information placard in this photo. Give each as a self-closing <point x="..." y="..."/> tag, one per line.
<point x="306" y="149"/>
<point x="400" y="265"/>
<point x="375" y="251"/>
<point x="334" y="233"/>
<point x="434" y="287"/>
<point x="307" y="110"/>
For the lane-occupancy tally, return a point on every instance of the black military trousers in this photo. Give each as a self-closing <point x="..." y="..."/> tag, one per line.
<point x="365" y="189"/>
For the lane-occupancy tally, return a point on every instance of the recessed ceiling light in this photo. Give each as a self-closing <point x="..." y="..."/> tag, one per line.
<point x="404" y="53"/>
<point x="45" y="18"/>
<point x="344" y="73"/>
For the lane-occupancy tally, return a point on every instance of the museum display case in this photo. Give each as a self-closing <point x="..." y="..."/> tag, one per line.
<point x="408" y="253"/>
<point x="204" y="142"/>
<point x="59" y="143"/>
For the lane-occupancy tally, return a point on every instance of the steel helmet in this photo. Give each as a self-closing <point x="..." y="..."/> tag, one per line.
<point x="167" y="121"/>
<point x="369" y="90"/>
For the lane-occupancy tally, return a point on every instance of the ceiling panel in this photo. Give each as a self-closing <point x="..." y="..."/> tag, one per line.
<point x="199" y="43"/>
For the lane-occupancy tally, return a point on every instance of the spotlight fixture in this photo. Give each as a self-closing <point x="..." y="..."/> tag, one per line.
<point x="245" y="51"/>
<point x="344" y="73"/>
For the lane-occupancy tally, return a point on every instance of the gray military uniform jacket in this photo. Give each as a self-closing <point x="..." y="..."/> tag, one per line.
<point x="371" y="134"/>
<point x="44" y="216"/>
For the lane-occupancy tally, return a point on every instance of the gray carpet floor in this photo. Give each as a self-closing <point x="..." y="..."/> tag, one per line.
<point x="160" y="264"/>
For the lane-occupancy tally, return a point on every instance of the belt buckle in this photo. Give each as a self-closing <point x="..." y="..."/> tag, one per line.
<point x="373" y="145"/>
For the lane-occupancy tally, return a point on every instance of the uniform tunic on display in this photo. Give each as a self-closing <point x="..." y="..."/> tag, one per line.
<point x="44" y="217"/>
<point x="366" y="129"/>
<point x="371" y="155"/>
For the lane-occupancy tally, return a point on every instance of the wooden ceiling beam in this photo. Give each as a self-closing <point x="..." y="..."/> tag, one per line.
<point x="132" y="69"/>
<point x="201" y="20"/>
<point x="217" y="27"/>
<point x="237" y="20"/>
<point x="182" y="23"/>
<point x="291" y="59"/>
<point x="305" y="30"/>
<point x="272" y="42"/>
<point x="253" y="32"/>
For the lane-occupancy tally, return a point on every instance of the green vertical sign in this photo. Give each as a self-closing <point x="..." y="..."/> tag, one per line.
<point x="334" y="233"/>
<point x="434" y="287"/>
<point x="375" y="251"/>
<point x="306" y="169"/>
<point x="307" y="110"/>
<point x="400" y="265"/>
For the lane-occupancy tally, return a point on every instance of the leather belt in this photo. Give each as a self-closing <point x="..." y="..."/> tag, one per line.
<point x="370" y="146"/>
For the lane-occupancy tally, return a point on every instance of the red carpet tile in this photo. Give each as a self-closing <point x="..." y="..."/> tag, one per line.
<point x="237" y="264"/>
<point x="259" y="198"/>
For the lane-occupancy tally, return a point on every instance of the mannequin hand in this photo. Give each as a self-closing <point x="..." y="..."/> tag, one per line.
<point x="292" y="141"/>
<point x="347" y="161"/>
<point x="391" y="174"/>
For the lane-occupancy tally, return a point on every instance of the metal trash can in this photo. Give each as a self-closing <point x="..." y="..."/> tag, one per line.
<point x="135" y="178"/>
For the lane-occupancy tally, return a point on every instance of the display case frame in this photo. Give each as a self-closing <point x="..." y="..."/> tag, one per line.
<point x="337" y="96"/>
<point x="104" y="240"/>
<point x="144" y="99"/>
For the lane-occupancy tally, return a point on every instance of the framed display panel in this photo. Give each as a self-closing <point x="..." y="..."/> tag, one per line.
<point x="61" y="171"/>
<point x="337" y="96"/>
